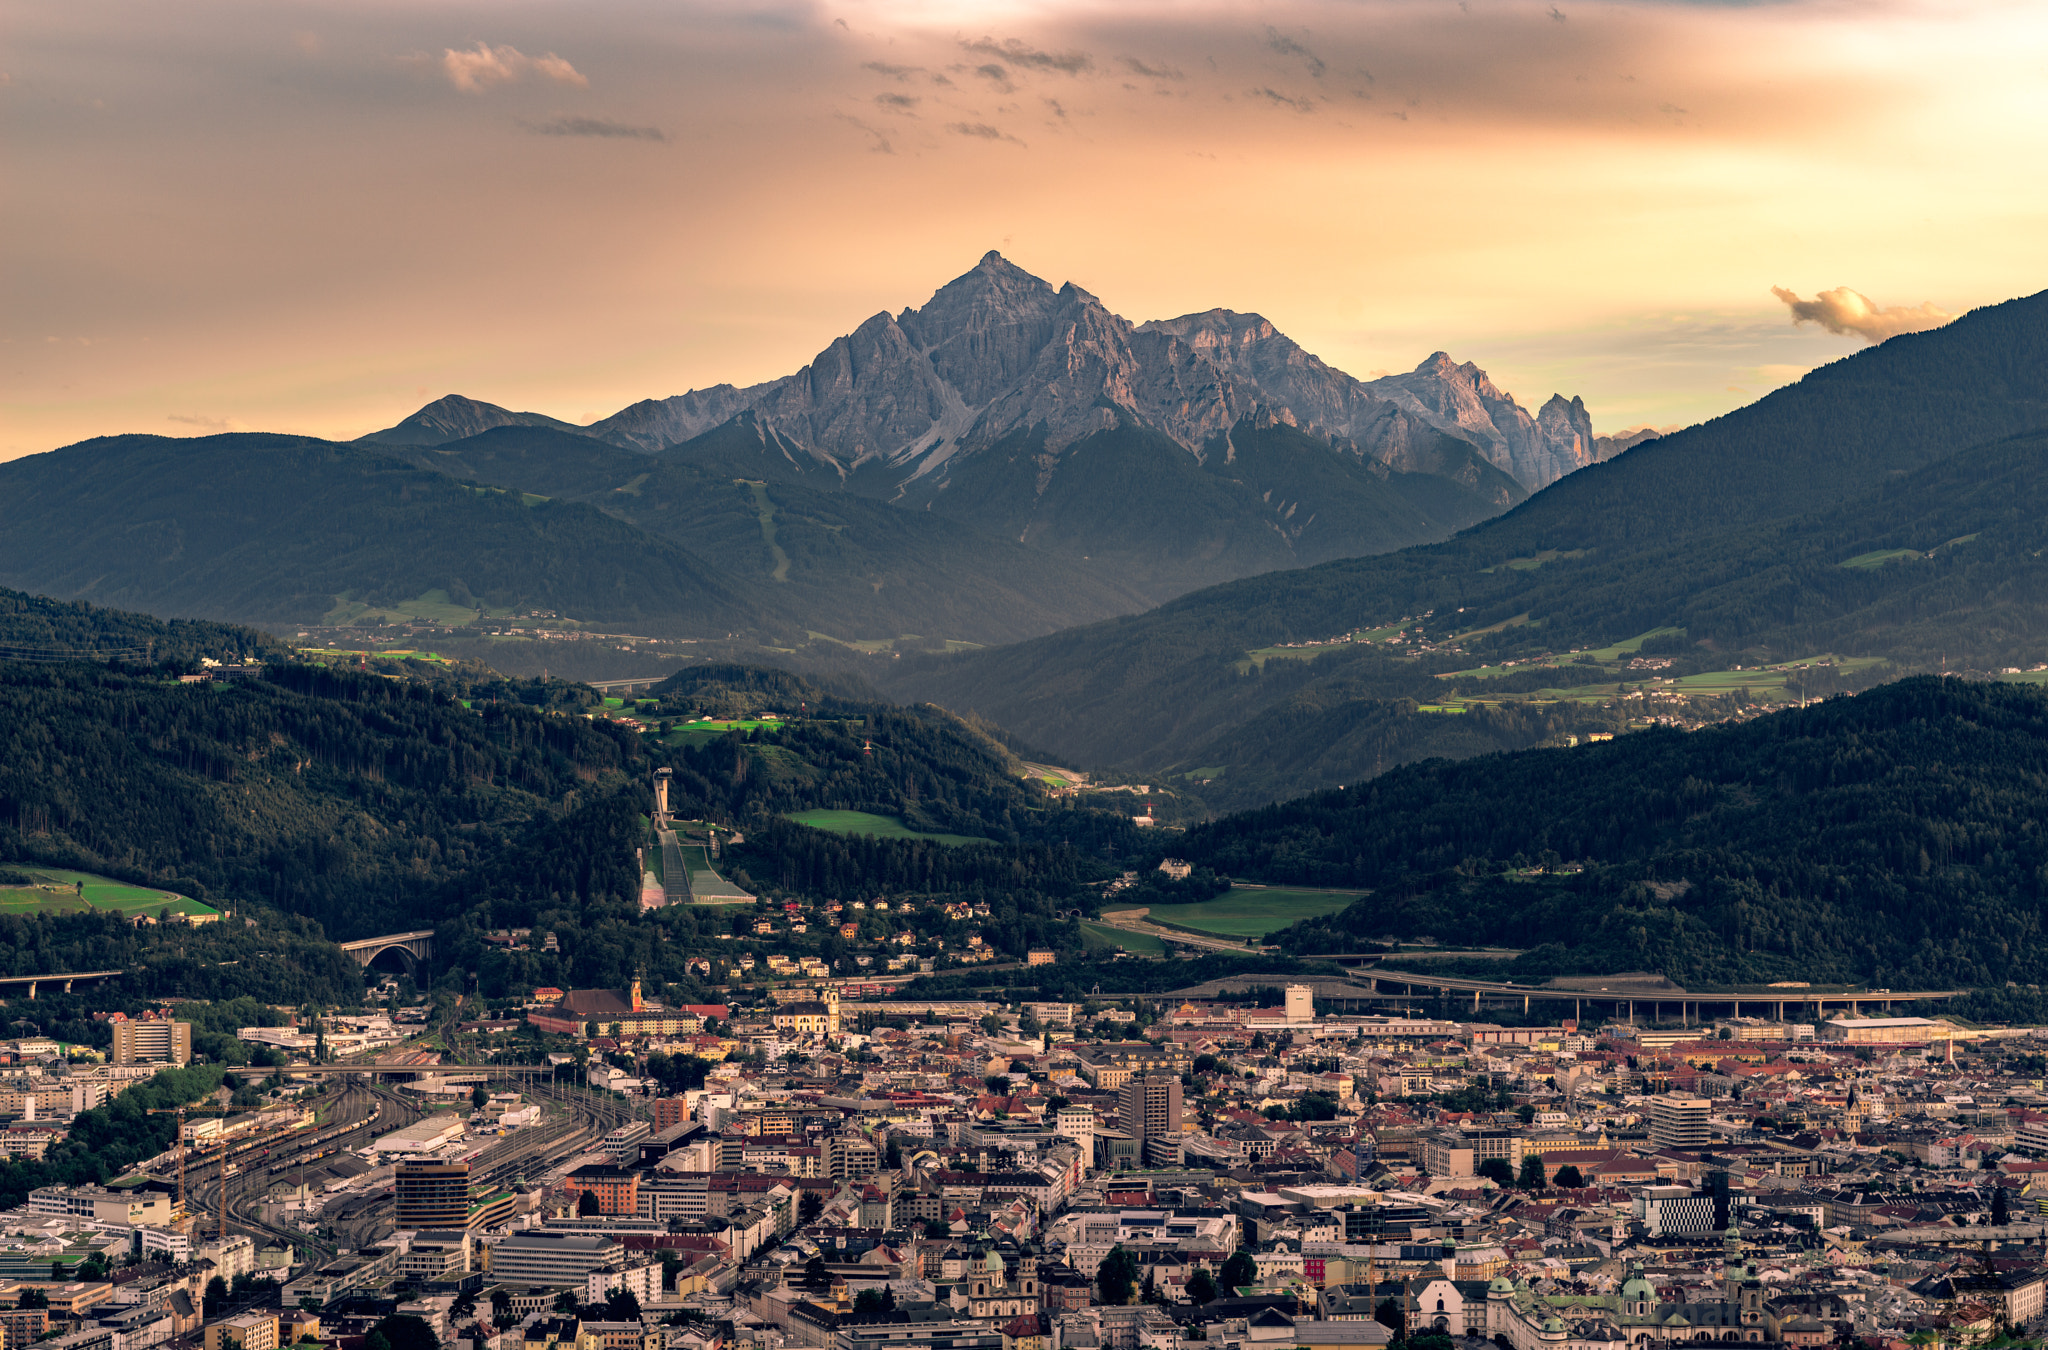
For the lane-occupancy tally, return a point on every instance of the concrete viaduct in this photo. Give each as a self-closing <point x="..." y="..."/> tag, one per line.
<point x="412" y="948"/>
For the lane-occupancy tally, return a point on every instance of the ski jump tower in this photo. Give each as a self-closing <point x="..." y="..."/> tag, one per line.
<point x="661" y="782"/>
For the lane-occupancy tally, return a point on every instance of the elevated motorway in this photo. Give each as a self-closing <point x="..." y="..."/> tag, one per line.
<point x="1624" y="997"/>
<point x="1380" y="988"/>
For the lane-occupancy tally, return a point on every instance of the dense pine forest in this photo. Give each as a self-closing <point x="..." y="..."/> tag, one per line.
<point x="321" y="803"/>
<point x="1895" y="837"/>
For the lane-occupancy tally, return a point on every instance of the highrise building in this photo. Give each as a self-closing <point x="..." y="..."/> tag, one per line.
<point x="1301" y="1003"/>
<point x="432" y="1194"/>
<point x="152" y="1039"/>
<point x="1151" y="1107"/>
<point x="1678" y="1121"/>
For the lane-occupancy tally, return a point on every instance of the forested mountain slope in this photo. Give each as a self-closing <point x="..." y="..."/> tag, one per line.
<point x="1734" y="531"/>
<point x="37" y="628"/>
<point x="349" y="799"/>
<point x="279" y="529"/>
<point x="837" y="562"/>
<point x="372" y="805"/>
<point x="1894" y="837"/>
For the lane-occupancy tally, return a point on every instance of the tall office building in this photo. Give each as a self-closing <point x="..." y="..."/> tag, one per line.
<point x="1301" y="1004"/>
<point x="151" y="1039"/>
<point x="1151" y="1107"/>
<point x="1678" y="1121"/>
<point x="433" y="1194"/>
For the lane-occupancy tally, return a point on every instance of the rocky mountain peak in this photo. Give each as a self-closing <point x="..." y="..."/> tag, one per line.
<point x="998" y="349"/>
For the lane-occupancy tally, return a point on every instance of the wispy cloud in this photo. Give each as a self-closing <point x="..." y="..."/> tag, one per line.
<point x="898" y="103"/>
<point x="981" y="131"/>
<point x="1287" y="46"/>
<point x="212" y="426"/>
<point x="475" y="71"/>
<point x="1031" y="58"/>
<point x="878" y="143"/>
<point x="995" y="75"/>
<point x="894" y="72"/>
<point x="1149" y="71"/>
<point x="1849" y="312"/>
<point x="599" y="127"/>
<point x="1300" y="105"/>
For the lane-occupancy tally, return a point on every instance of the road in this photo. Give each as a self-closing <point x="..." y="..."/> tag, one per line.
<point x="1133" y="921"/>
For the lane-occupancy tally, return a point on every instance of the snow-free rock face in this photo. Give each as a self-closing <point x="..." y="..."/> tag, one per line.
<point x="654" y="423"/>
<point x="998" y="351"/>
<point x="1460" y="399"/>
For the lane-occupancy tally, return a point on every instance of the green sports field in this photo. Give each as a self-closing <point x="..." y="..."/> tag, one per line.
<point x="101" y="893"/>
<point x="881" y="827"/>
<point x="1243" y="913"/>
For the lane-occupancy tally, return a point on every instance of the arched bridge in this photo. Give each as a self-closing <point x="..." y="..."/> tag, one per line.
<point x="412" y="948"/>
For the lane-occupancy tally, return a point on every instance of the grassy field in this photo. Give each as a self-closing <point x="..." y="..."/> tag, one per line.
<point x="434" y="607"/>
<point x="1536" y="560"/>
<point x="1101" y="938"/>
<point x="881" y="827"/>
<point x="101" y="893"/>
<point x="1243" y="913"/>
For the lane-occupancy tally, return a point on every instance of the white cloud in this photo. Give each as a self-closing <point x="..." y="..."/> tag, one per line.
<point x="1851" y="312"/>
<point x="475" y="71"/>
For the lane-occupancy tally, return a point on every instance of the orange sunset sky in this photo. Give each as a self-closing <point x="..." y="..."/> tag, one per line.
<point x="308" y="217"/>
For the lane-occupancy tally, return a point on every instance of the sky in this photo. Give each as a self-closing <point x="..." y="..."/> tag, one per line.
<point x="286" y="215"/>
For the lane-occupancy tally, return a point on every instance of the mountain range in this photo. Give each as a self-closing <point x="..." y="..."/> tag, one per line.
<point x="896" y="407"/>
<point x="1006" y="461"/>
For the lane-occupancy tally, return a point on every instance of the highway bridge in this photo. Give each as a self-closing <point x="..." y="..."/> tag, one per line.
<point x="1656" y="1001"/>
<point x="1638" y="998"/>
<point x="412" y="948"/>
<point x="67" y="979"/>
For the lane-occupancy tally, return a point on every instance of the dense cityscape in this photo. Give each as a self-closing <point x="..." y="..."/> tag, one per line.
<point x="1245" y="1170"/>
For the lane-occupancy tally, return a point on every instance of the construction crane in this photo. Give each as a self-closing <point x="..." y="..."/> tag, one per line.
<point x="181" y="1112"/>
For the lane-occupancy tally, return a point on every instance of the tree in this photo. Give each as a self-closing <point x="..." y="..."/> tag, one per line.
<point x="1497" y="1171"/>
<point x="479" y="1097"/>
<point x="1239" y="1271"/>
<point x="622" y="1306"/>
<point x="1531" y="1178"/>
<point x="32" y="1297"/>
<point x="892" y="1156"/>
<point x="216" y="1295"/>
<point x="1525" y="1113"/>
<point x="1116" y="1277"/>
<point x="1149" y="1291"/>
<point x="997" y="1085"/>
<point x="586" y="1202"/>
<point x="815" y="1274"/>
<point x="2001" y="1207"/>
<point x="809" y="1206"/>
<point x="1568" y="1176"/>
<point x="501" y="1305"/>
<point x="869" y="1303"/>
<point x="937" y="1230"/>
<point x="1201" y="1286"/>
<point x="403" y="1331"/>
<point x="1390" y="1316"/>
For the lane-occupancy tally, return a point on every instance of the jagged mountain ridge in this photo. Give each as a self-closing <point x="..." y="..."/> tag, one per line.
<point x="998" y="351"/>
